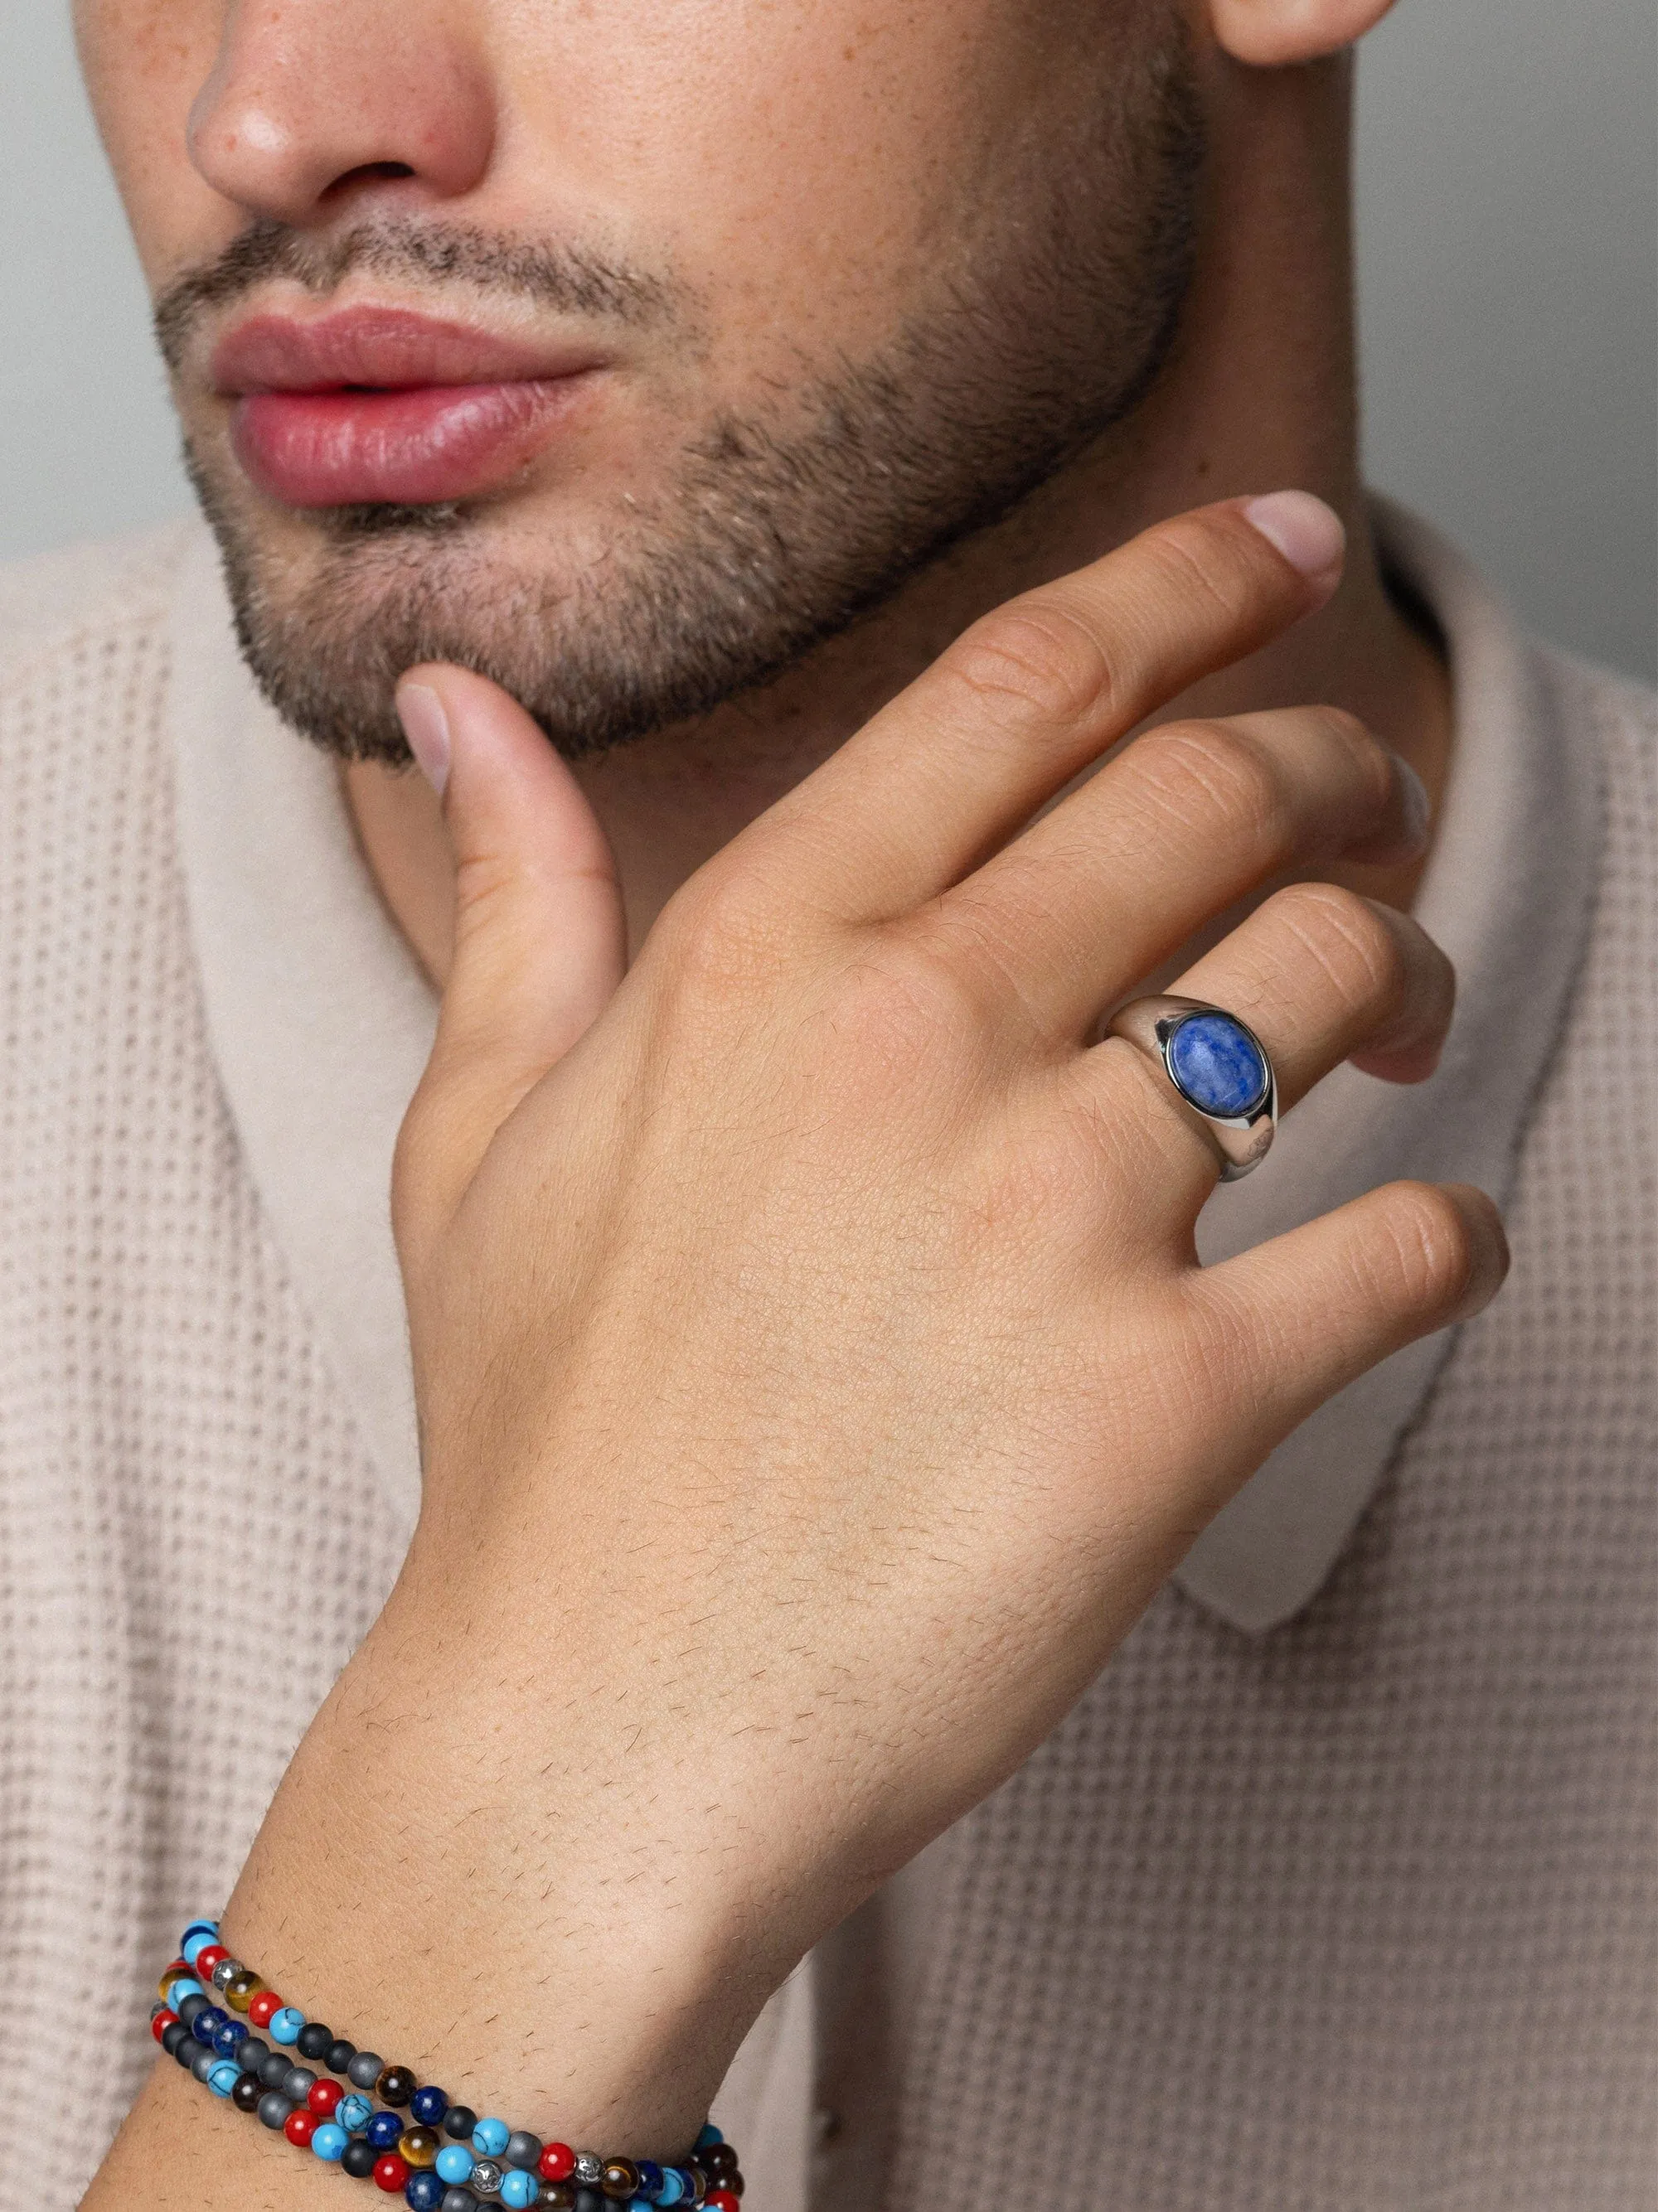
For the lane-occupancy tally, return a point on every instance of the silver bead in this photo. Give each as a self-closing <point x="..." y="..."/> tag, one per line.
<point x="589" y="2169"/>
<point x="485" y="2179"/>
<point x="226" y="1972"/>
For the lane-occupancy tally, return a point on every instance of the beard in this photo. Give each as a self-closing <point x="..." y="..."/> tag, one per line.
<point x="773" y="529"/>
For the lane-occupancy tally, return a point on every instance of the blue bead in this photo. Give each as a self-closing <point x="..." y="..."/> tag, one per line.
<point x="229" y="2038"/>
<point x="330" y="2140"/>
<point x="208" y="2022"/>
<point x="672" y="2188"/>
<point x="519" y="2188"/>
<point x="1217" y="1066"/>
<point x="354" y="2114"/>
<point x="708" y="2136"/>
<point x="384" y="2130"/>
<point x="640" y="2204"/>
<point x="224" y="2077"/>
<point x="650" y="2176"/>
<point x="454" y="2163"/>
<point x="185" y="1986"/>
<point x="423" y="2193"/>
<point x="286" y="2024"/>
<point x="428" y="2106"/>
<point x="490" y="2138"/>
<point x="197" y="1937"/>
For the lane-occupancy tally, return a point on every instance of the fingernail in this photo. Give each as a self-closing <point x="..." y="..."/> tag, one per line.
<point x="427" y="728"/>
<point x="1414" y="802"/>
<point x="1307" y="533"/>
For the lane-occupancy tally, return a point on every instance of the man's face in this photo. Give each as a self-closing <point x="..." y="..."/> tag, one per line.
<point x="624" y="351"/>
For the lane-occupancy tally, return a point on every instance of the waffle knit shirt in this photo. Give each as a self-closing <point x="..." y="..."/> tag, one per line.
<point x="1336" y="1889"/>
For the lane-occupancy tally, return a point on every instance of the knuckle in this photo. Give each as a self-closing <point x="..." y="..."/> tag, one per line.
<point x="1203" y="771"/>
<point x="1360" y="951"/>
<point x="1431" y="1254"/>
<point x="726" y="929"/>
<point x="1034" y="662"/>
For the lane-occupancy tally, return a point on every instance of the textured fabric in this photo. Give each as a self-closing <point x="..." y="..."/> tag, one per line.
<point x="1355" y="1913"/>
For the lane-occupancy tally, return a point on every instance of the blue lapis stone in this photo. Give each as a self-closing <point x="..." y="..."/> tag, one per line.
<point x="1217" y="1066"/>
<point x="384" y="2131"/>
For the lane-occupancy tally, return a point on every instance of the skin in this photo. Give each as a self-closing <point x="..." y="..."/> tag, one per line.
<point x="743" y="1625"/>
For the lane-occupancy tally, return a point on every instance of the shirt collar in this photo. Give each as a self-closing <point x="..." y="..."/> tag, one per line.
<point x="320" y="1022"/>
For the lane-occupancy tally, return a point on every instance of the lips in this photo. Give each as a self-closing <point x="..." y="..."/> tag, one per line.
<point x="381" y="406"/>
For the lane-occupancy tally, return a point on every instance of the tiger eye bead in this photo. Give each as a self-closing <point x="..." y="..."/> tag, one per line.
<point x="558" y="2196"/>
<point x="395" y="2086"/>
<point x="178" y="1972"/>
<point x="419" y="2146"/>
<point x="241" y="1989"/>
<point x="620" y="2180"/>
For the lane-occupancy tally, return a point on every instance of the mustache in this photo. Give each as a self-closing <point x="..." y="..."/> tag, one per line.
<point x="568" y="279"/>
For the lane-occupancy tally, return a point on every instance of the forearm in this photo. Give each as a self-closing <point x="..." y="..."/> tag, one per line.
<point x="459" y="1872"/>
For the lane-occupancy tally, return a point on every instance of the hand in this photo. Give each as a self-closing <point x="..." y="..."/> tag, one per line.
<point x="816" y="1376"/>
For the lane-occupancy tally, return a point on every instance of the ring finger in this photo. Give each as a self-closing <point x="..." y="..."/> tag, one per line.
<point x="1321" y="976"/>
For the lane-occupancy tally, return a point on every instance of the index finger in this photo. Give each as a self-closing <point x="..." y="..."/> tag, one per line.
<point x="1030" y="694"/>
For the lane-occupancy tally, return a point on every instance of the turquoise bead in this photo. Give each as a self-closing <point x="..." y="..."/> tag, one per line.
<point x="185" y="1986"/>
<point x="354" y="2114"/>
<point x="490" y="2138"/>
<point x="197" y="1936"/>
<point x="519" y="2188"/>
<point x="454" y="2164"/>
<point x="640" y="2204"/>
<point x="224" y="2077"/>
<point x="707" y="2136"/>
<point x="330" y="2140"/>
<point x="286" y="2024"/>
<point x="672" y="2188"/>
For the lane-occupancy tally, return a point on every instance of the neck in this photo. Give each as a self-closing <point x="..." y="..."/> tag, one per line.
<point x="1259" y="394"/>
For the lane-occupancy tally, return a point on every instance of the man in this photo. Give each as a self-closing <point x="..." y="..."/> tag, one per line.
<point x="792" y="414"/>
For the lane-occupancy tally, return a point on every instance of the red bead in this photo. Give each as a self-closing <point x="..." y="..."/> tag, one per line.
<point x="163" y="2021"/>
<point x="214" y="1956"/>
<point x="264" y="2008"/>
<point x="322" y="2097"/>
<point x="721" y="2200"/>
<point x="390" y="2172"/>
<point x="299" y="2127"/>
<point x="557" y="2162"/>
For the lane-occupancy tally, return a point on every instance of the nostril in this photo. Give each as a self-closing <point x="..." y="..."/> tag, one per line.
<point x="367" y="173"/>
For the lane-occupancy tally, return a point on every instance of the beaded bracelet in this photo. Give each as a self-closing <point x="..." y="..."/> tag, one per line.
<point x="484" y="2162"/>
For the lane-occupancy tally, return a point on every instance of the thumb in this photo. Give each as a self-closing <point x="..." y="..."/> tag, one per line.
<point x="539" y="940"/>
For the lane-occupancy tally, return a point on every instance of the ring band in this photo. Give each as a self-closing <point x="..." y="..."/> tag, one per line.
<point x="1216" y="1067"/>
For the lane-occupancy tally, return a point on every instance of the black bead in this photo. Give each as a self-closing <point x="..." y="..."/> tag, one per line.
<point x="247" y="2092"/>
<point x="340" y="2053"/>
<point x="718" y="2161"/>
<point x="459" y="2200"/>
<point x="523" y="2148"/>
<point x="273" y="2068"/>
<point x="298" y="2084"/>
<point x="396" y="2085"/>
<point x="357" y="2158"/>
<point x="273" y="2109"/>
<point x="251" y="2054"/>
<point x="591" y="2200"/>
<point x="459" y="2121"/>
<point x="173" y="2035"/>
<point x="735" y="2183"/>
<point x="204" y="2062"/>
<point x="365" y="2070"/>
<point x="191" y="2007"/>
<point x="313" y="2039"/>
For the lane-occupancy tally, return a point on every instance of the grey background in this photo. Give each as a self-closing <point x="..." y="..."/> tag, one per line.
<point x="1508" y="164"/>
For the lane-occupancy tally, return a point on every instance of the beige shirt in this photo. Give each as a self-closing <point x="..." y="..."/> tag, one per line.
<point x="1335" y="1891"/>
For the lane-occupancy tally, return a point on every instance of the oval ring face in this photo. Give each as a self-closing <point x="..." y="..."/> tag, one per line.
<point x="1217" y="1066"/>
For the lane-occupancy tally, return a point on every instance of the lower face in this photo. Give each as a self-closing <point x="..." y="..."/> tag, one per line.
<point x="748" y="316"/>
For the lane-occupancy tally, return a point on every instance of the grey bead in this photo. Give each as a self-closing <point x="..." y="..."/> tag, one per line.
<point x="273" y="2110"/>
<point x="226" y="1972"/>
<point x="297" y="2083"/>
<point x="589" y="2167"/>
<point x="251" y="2054"/>
<point x="365" y="2070"/>
<point x="523" y="2148"/>
<point x="273" y="2068"/>
<point x="191" y="2006"/>
<point x="459" y="2200"/>
<point x="485" y="2177"/>
<point x="204" y="2062"/>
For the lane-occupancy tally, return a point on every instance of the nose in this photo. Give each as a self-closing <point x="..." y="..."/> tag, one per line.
<point x="312" y="102"/>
